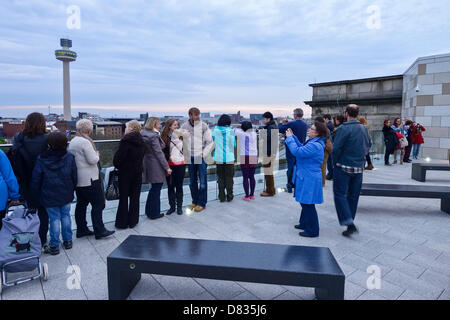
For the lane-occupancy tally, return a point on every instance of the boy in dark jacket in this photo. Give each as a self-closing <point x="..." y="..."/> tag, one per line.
<point x="54" y="181"/>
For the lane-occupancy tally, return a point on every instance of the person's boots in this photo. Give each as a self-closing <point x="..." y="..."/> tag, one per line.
<point x="179" y="203"/>
<point x="270" y="188"/>
<point x="170" y="211"/>
<point x="370" y="167"/>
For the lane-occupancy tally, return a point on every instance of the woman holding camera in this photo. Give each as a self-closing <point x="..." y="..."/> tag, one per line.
<point x="417" y="138"/>
<point x="308" y="176"/>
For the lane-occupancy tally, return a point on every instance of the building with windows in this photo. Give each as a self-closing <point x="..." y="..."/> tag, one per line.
<point x="108" y="130"/>
<point x="426" y="100"/>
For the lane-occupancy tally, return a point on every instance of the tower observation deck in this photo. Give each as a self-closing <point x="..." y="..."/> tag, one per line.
<point x="66" y="56"/>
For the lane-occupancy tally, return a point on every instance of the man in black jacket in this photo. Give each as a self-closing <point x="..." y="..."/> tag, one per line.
<point x="269" y="148"/>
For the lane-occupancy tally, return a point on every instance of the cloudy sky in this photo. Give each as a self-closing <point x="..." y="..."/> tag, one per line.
<point x="221" y="55"/>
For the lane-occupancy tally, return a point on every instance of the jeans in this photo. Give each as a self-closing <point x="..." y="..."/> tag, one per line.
<point x="346" y="189"/>
<point x="309" y="221"/>
<point x="248" y="175"/>
<point x="196" y="172"/>
<point x="416" y="150"/>
<point x="93" y="195"/>
<point x="59" y="222"/>
<point x="175" y="186"/>
<point x="153" y="204"/>
<point x="290" y="159"/>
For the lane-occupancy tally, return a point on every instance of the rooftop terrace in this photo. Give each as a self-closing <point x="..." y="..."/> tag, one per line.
<point x="406" y="238"/>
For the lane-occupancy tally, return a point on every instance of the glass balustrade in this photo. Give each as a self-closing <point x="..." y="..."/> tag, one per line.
<point x="107" y="149"/>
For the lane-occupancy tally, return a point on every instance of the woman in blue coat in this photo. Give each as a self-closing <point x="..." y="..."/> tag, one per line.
<point x="307" y="176"/>
<point x="9" y="188"/>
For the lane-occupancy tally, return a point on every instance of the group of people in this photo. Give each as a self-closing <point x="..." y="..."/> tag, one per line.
<point x="50" y="170"/>
<point x="44" y="171"/>
<point x="156" y="155"/>
<point x="404" y="137"/>
<point x="346" y="148"/>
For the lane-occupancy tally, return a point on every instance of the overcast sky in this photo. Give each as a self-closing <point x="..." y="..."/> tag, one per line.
<point x="221" y="55"/>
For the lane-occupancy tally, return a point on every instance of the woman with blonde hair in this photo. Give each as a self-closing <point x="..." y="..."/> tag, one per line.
<point x="89" y="188"/>
<point x="370" y="166"/>
<point x="173" y="151"/>
<point x="156" y="167"/>
<point x="128" y="161"/>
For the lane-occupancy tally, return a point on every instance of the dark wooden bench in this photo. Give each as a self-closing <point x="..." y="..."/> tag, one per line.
<point x="419" y="170"/>
<point x="409" y="191"/>
<point x="313" y="267"/>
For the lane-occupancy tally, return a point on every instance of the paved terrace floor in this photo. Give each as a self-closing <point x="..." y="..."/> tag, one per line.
<point x="407" y="238"/>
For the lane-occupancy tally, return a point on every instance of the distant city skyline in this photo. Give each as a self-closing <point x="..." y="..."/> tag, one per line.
<point x="135" y="111"/>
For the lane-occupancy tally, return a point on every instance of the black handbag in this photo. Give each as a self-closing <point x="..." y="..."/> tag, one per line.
<point x="112" y="190"/>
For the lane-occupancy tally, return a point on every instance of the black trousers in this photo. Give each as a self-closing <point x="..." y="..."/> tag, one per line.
<point x="129" y="188"/>
<point x="387" y="154"/>
<point x="90" y="195"/>
<point x="175" y="186"/>
<point x="369" y="161"/>
<point x="44" y="223"/>
<point x="225" y="175"/>
<point x="2" y="215"/>
<point x="407" y="152"/>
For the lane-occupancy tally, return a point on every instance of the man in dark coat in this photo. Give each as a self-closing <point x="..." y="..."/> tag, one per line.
<point x="299" y="128"/>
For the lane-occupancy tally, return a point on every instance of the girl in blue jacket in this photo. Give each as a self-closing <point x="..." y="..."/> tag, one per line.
<point x="307" y="176"/>
<point x="9" y="188"/>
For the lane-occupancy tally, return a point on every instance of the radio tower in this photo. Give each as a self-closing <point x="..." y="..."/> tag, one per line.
<point x="66" y="56"/>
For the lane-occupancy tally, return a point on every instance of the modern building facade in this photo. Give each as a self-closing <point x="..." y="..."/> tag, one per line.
<point x="426" y="99"/>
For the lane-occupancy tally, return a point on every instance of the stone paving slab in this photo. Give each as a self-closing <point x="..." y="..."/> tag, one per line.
<point x="406" y="238"/>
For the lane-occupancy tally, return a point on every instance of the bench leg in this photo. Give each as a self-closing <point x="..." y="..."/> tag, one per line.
<point x="418" y="174"/>
<point x="121" y="283"/>
<point x="445" y="205"/>
<point x="333" y="292"/>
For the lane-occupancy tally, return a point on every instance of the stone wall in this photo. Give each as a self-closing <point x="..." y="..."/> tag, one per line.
<point x="378" y="98"/>
<point x="430" y="106"/>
